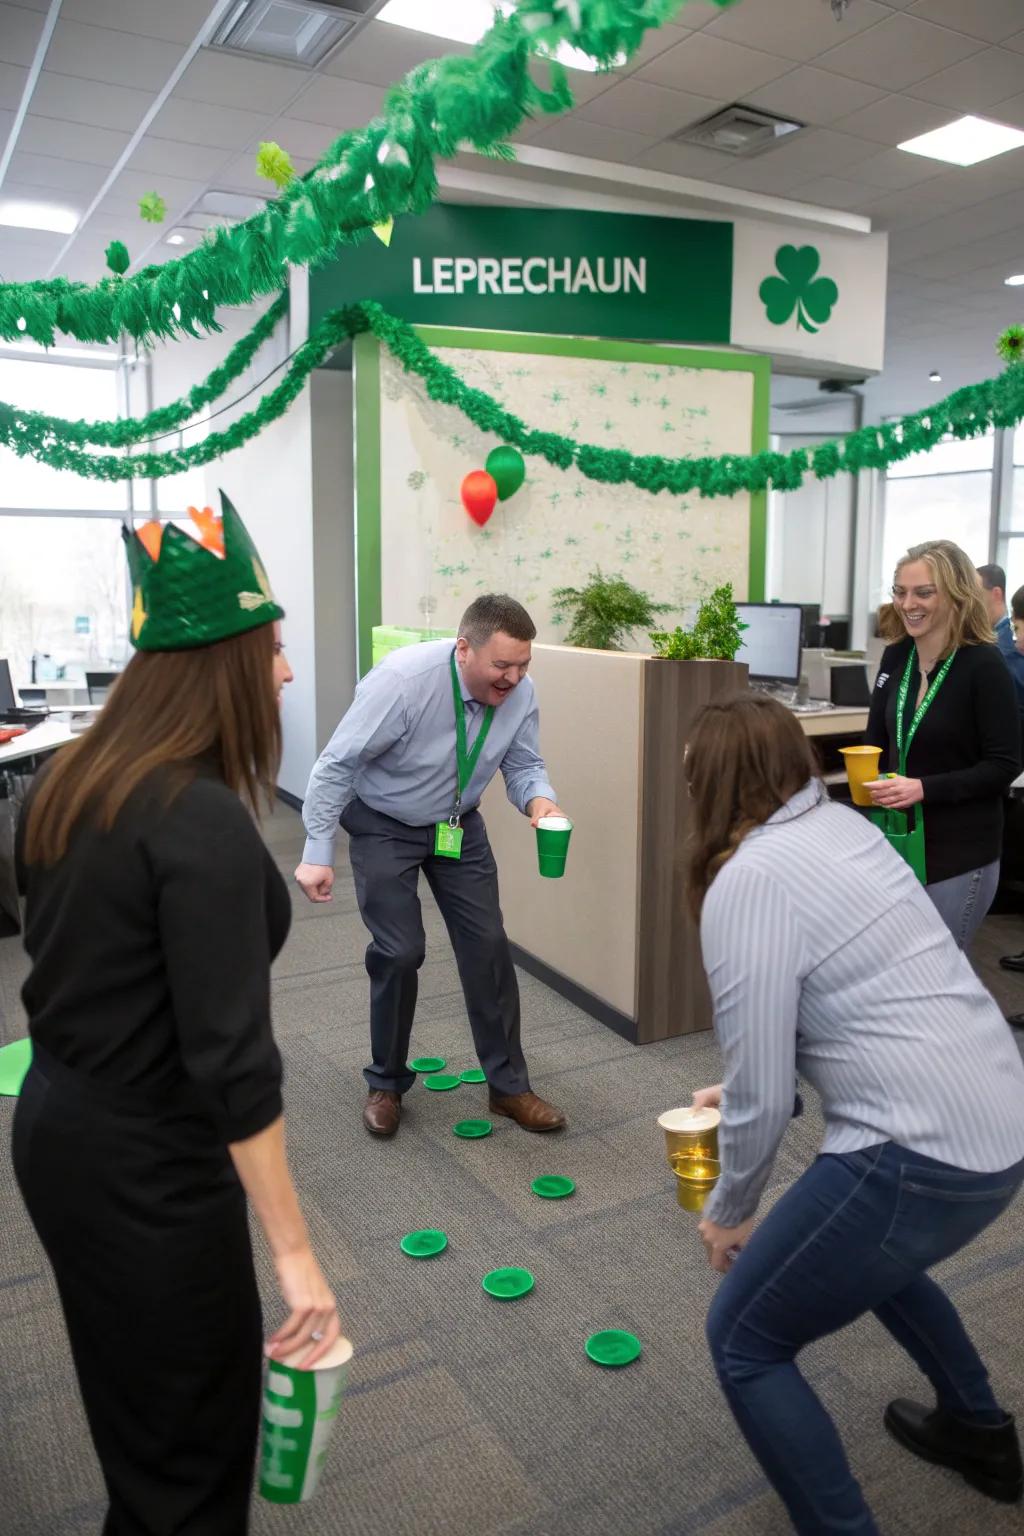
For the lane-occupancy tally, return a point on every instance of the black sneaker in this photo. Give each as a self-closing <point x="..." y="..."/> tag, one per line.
<point x="1012" y="962"/>
<point x="986" y="1455"/>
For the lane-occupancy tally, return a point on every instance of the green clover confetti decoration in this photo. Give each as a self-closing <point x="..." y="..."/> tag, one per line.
<point x="152" y="208"/>
<point x="798" y="289"/>
<point x="1010" y="345"/>
<point x="274" y="164"/>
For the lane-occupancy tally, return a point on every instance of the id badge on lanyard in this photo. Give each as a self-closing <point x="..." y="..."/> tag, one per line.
<point x="448" y="834"/>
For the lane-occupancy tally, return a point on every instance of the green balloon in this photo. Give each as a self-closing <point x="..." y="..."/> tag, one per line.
<point x="507" y="470"/>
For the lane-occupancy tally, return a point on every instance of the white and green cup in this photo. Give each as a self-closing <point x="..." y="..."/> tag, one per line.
<point x="553" y="834"/>
<point x="299" y="1409"/>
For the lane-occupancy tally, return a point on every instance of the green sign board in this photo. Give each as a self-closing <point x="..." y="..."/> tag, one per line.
<point x="569" y="273"/>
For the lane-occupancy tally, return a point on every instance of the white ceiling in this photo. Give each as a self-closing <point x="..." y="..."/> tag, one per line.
<point x="887" y="71"/>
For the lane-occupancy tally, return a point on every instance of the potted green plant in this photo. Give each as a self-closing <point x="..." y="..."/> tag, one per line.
<point x="717" y="632"/>
<point x="605" y="612"/>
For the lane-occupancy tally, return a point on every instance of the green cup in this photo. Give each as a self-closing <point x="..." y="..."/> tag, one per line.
<point x="299" y="1409"/>
<point x="553" y="834"/>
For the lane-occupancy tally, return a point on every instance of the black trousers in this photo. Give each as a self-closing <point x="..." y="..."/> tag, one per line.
<point x="145" y="1225"/>
<point x="386" y="858"/>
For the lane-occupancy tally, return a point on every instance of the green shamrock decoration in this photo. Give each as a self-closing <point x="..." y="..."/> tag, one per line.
<point x="1010" y="345"/>
<point x="153" y="208"/>
<point x="118" y="259"/>
<point x="798" y="288"/>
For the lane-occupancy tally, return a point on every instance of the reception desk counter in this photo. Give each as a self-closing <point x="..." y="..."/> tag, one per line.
<point x="613" y="934"/>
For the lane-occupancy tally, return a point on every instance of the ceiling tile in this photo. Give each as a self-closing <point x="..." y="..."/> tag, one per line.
<point x="381" y="54"/>
<point x="175" y="23"/>
<point x="796" y="29"/>
<point x="697" y="13"/>
<point x="594" y="140"/>
<point x="991" y="20"/>
<point x="646" y="109"/>
<point x="89" y="102"/>
<point x="893" y="120"/>
<point x="20" y="31"/>
<point x="892" y="168"/>
<point x="175" y="190"/>
<point x="834" y="192"/>
<point x="56" y="175"/>
<point x="1016" y="42"/>
<point x="818" y="152"/>
<point x="225" y="80"/>
<point x="899" y="52"/>
<point x="1010" y="111"/>
<point x="12" y="86"/>
<point x="974" y="83"/>
<point x="813" y="96"/>
<point x="197" y="122"/>
<point x="71" y="141"/>
<point x="77" y="200"/>
<point x="337" y="104"/>
<point x="909" y="205"/>
<point x="101" y="53"/>
<point x="308" y="139"/>
<point x="656" y="40"/>
<point x="686" y="160"/>
<point x="712" y="66"/>
<point x="240" y="175"/>
<point x="166" y="157"/>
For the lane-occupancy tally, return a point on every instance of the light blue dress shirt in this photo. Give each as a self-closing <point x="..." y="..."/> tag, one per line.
<point x="825" y="957"/>
<point x="1013" y="658"/>
<point x="395" y="749"/>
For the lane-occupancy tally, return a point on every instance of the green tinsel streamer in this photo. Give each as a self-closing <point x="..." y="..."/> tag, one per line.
<point x="480" y="99"/>
<point x="968" y="412"/>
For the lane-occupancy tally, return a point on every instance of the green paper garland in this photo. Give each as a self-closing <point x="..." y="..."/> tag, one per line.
<point x="364" y="178"/>
<point x="968" y="412"/>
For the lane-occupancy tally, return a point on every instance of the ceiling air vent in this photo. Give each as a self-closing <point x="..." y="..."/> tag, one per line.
<point x="294" y="31"/>
<point x="738" y="131"/>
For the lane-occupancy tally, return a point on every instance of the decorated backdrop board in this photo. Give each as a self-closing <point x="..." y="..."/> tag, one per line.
<point x="422" y="559"/>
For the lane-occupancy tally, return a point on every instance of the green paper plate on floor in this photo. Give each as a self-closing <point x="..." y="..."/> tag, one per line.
<point x="472" y="1130"/>
<point x="428" y="1064"/>
<point x="440" y="1082"/>
<point x="15" y="1060"/>
<point x="508" y="1284"/>
<point x="473" y="1075"/>
<point x="552" y="1186"/>
<point x="424" y="1244"/>
<point x="613" y="1346"/>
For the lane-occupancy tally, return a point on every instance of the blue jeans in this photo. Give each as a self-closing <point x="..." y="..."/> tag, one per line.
<point x="963" y="901"/>
<point x="855" y="1234"/>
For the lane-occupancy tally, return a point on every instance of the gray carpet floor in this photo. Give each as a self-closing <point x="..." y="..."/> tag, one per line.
<point x="471" y="1417"/>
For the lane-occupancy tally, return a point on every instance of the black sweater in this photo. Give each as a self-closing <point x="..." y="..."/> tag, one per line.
<point x="966" y="752"/>
<point x="151" y="948"/>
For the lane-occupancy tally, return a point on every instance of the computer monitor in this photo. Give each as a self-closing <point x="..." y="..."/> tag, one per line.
<point x="770" y="645"/>
<point x="7" y="699"/>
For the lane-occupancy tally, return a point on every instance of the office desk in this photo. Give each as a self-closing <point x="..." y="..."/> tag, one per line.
<point x="850" y="723"/>
<point x="39" y="738"/>
<point x="57" y="694"/>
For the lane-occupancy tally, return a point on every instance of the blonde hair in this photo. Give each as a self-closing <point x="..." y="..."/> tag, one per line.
<point x="957" y="580"/>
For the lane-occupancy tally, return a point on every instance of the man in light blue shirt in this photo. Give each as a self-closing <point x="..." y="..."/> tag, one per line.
<point x="404" y="772"/>
<point x="993" y="585"/>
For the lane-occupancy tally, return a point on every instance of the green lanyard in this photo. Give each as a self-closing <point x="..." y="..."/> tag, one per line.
<point x="465" y="760"/>
<point x="903" y="747"/>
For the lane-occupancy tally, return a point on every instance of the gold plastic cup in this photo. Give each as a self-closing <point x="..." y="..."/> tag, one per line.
<point x="861" y="769"/>
<point x="691" y="1147"/>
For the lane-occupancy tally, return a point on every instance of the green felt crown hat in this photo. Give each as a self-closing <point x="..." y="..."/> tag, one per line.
<point x="190" y="591"/>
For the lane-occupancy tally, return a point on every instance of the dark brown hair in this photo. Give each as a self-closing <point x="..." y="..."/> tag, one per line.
<point x="1017" y="604"/>
<point x="745" y="758"/>
<point x="167" y="709"/>
<point x="496" y="613"/>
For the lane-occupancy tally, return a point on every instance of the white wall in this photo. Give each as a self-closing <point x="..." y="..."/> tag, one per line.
<point x="293" y="487"/>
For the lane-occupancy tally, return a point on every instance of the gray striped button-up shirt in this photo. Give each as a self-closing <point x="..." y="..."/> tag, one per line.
<point x="825" y="957"/>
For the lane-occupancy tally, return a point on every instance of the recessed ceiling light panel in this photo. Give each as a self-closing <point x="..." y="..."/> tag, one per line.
<point x="966" y="142"/>
<point x="25" y="215"/>
<point x="1016" y="281"/>
<point x="466" y="21"/>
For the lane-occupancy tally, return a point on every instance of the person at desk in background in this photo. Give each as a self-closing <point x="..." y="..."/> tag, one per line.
<point x="404" y="772"/>
<point x="153" y="1103"/>
<point x="855" y="983"/>
<point x="944" y="712"/>
<point x="993" y="589"/>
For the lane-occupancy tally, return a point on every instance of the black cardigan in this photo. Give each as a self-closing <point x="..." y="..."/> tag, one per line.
<point x="966" y="752"/>
<point x="151" y="947"/>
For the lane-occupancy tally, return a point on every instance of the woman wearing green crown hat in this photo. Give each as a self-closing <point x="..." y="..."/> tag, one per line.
<point x="153" y="1105"/>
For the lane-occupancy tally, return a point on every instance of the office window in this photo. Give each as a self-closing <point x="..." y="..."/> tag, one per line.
<point x="63" y="596"/>
<point x="73" y="392"/>
<point x="943" y="494"/>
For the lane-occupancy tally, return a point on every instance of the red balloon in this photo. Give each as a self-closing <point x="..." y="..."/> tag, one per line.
<point x="479" y="493"/>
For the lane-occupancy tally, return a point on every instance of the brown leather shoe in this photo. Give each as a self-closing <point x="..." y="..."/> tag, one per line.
<point x="382" y="1112"/>
<point x="527" y="1110"/>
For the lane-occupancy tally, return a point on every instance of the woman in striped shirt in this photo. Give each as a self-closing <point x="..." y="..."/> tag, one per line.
<point x="825" y="957"/>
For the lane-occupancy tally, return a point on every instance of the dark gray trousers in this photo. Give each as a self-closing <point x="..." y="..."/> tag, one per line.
<point x="386" y="858"/>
